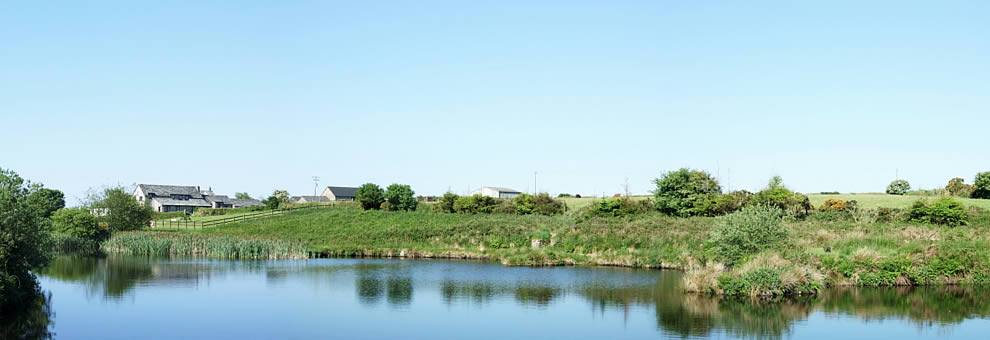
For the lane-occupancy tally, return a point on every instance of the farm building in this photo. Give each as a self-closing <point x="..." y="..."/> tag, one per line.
<point x="497" y="192"/>
<point x="165" y="198"/>
<point x="308" y="199"/>
<point x="339" y="193"/>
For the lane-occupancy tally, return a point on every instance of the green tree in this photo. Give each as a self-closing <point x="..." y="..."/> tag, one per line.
<point x="679" y="191"/>
<point x="779" y="196"/>
<point x="475" y="204"/>
<point x="47" y="201"/>
<point x="117" y="210"/>
<point x="540" y="204"/>
<point x="447" y="202"/>
<point x="242" y="196"/>
<point x="25" y="236"/>
<point x="981" y="185"/>
<point x="956" y="187"/>
<point x="370" y="196"/>
<point x="898" y="187"/>
<point x="277" y="199"/>
<point x="400" y="197"/>
<point x="78" y="222"/>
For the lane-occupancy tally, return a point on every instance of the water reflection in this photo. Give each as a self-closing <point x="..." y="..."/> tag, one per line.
<point x="34" y="321"/>
<point x="401" y="285"/>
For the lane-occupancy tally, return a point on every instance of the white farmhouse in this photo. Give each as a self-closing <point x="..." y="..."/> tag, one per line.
<point x="497" y="192"/>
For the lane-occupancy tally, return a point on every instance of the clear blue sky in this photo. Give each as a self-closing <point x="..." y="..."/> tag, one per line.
<point x="259" y="95"/>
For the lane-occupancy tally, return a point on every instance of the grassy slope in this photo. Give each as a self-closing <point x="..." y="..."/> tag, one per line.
<point x="872" y="201"/>
<point x="575" y="204"/>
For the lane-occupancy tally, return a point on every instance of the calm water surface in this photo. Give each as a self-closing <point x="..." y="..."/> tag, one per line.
<point x="122" y="297"/>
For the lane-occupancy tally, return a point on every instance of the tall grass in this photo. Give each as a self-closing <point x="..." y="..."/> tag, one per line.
<point x="224" y="247"/>
<point x="71" y="244"/>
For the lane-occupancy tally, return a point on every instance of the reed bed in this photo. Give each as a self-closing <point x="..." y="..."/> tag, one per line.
<point x="214" y="246"/>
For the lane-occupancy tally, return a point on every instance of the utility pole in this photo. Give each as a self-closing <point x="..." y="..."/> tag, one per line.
<point x="534" y="184"/>
<point x="316" y="184"/>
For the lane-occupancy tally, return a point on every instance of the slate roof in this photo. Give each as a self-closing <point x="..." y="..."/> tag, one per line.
<point x="218" y="198"/>
<point x="185" y="203"/>
<point x="315" y="198"/>
<point x="244" y="203"/>
<point x="343" y="191"/>
<point x="165" y="190"/>
<point x="507" y="190"/>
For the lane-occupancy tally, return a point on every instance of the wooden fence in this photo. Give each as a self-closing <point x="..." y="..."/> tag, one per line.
<point x="190" y="224"/>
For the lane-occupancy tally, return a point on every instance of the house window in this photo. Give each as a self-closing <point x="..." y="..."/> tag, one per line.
<point x="179" y="197"/>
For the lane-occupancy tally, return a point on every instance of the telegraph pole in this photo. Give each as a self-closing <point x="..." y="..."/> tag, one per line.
<point x="316" y="184"/>
<point x="534" y="184"/>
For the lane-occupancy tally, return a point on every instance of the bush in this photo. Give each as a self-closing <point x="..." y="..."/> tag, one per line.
<point x="746" y="232"/>
<point x="124" y="212"/>
<point x="898" y="187"/>
<point x="78" y="222"/>
<point x="792" y="203"/>
<point x="540" y="204"/>
<point x="563" y="195"/>
<point x="981" y="185"/>
<point x="835" y="205"/>
<point x="616" y="207"/>
<point x="731" y="202"/>
<point x="446" y="203"/>
<point x="474" y="204"/>
<point x="678" y="191"/>
<point x="828" y="193"/>
<point x="370" y="196"/>
<point x="945" y="211"/>
<point x="956" y="187"/>
<point x="400" y="197"/>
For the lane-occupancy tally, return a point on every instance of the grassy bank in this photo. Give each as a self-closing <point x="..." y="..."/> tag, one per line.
<point x="861" y="248"/>
<point x="876" y="200"/>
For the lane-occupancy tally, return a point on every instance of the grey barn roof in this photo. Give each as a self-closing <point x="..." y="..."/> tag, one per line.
<point x="343" y="191"/>
<point x="503" y="189"/>
<point x="165" y="190"/>
<point x="244" y="203"/>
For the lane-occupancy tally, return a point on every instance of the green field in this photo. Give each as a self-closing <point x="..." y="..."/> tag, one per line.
<point x="575" y="204"/>
<point x="873" y="201"/>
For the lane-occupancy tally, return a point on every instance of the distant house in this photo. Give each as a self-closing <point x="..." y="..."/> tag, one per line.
<point x="165" y="198"/>
<point x="308" y="199"/>
<point x="497" y="192"/>
<point x="339" y="193"/>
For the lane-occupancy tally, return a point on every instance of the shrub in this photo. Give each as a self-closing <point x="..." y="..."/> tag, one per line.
<point x="563" y="195"/>
<point x="746" y="232"/>
<point x="786" y="200"/>
<point x="370" y="196"/>
<point x="945" y="211"/>
<point x="124" y="212"/>
<point x="829" y="193"/>
<point x="400" y="197"/>
<point x="898" y="187"/>
<point x="835" y="205"/>
<point x="981" y="185"/>
<point x="447" y="202"/>
<point x="956" y="187"/>
<point x="474" y="204"/>
<point x="78" y="222"/>
<point x="155" y="215"/>
<point x="616" y="207"/>
<point x="731" y="202"/>
<point x="678" y="191"/>
<point x="540" y="204"/>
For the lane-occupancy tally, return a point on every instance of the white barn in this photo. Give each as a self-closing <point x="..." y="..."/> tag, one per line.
<point x="497" y="192"/>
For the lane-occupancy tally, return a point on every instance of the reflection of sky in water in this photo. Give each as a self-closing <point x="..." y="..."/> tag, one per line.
<point x="127" y="297"/>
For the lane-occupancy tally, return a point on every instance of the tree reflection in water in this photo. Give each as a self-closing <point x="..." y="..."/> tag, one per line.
<point x="34" y="321"/>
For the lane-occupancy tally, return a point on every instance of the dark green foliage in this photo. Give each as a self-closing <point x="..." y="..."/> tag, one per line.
<point x="829" y="193"/>
<point x="678" y="192"/>
<point x="981" y="186"/>
<point x="25" y="239"/>
<point x="746" y="232"/>
<point x="370" y="196"/>
<point x="446" y="203"/>
<point x="563" y="195"/>
<point x="278" y="199"/>
<point x="242" y="196"/>
<point x="956" y="187"/>
<point x="65" y="244"/>
<point x="400" y="197"/>
<point x="155" y="215"/>
<point x="117" y="210"/>
<point x="78" y="222"/>
<point x="616" y="207"/>
<point x="898" y="187"/>
<point x="731" y="202"/>
<point x="475" y="204"/>
<point x="946" y="211"/>
<point x="540" y="204"/>
<point x="47" y="201"/>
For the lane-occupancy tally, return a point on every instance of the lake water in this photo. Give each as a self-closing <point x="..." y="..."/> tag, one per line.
<point x="123" y="297"/>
